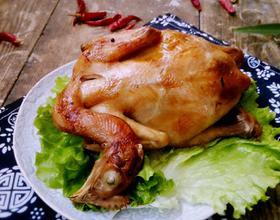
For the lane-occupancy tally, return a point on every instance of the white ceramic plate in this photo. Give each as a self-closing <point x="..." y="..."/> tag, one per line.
<point x="26" y="144"/>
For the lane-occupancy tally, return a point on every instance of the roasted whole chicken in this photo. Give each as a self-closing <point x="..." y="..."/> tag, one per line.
<point x="148" y="89"/>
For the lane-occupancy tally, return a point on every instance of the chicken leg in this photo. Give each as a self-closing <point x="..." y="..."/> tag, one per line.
<point x="149" y="138"/>
<point x="122" y="157"/>
<point x="242" y="124"/>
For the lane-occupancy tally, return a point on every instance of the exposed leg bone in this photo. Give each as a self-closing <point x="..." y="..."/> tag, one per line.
<point x="90" y="145"/>
<point x="243" y="125"/>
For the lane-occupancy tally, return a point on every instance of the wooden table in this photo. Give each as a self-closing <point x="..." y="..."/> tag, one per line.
<point x="50" y="41"/>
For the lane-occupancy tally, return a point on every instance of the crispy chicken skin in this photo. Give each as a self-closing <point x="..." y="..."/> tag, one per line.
<point x="148" y="88"/>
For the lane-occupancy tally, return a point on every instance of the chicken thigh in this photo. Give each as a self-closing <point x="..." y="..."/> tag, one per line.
<point x="148" y="88"/>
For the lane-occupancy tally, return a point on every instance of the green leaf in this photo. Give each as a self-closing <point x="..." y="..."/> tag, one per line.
<point x="264" y="29"/>
<point x="147" y="171"/>
<point x="60" y="84"/>
<point x="145" y="191"/>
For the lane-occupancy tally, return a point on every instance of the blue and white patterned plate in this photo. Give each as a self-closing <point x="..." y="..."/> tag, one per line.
<point x="17" y="198"/>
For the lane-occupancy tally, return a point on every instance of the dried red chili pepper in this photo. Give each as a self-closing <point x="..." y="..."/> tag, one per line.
<point x="123" y="22"/>
<point x="90" y="16"/>
<point x="104" y="22"/>
<point x="196" y="4"/>
<point x="6" y="36"/>
<point x="81" y="6"/>
<point x="131" y="25"/>
<point x="75" y="21"/>
<point x="81" y="9"/>
<point x="227" y="5"/>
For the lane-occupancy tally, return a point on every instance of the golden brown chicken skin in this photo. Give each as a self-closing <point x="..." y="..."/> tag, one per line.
<point x="167" y="92"/>
<point x="148" y="88"/>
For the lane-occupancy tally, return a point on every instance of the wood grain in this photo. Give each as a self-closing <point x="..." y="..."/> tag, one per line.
<point x="26" y="19"/>
<point x="216" y="21"/>
<point x="60" y="41"/>
<point x="256" y="12"/>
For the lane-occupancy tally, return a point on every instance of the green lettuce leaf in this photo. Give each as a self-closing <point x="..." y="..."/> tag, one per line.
<point x="148" y="185"/>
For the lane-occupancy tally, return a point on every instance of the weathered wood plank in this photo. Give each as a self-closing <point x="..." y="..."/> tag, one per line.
<point x="255" y="12"/>
<point x="219" y="23"/>
<point x="60" y="41"/>
<point x="26" y="19"/>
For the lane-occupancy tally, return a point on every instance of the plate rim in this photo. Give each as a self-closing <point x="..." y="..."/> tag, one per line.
<point x="16" y="130"/>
